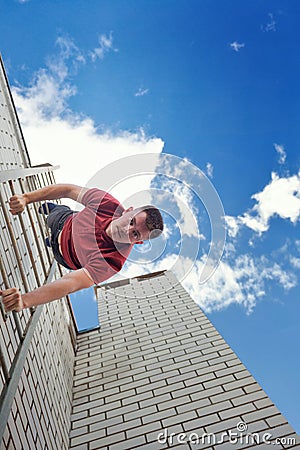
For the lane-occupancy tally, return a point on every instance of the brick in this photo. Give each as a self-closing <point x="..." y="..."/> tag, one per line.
<point x="102" y="424"/>
<point x="263" y="403"/>
<point x="122" y="410"/>
<point x="88" y="420"/>
<point x="87" y="438"/>
<point x="124" y="426"/>
<point x="91" y="404"/>
<point x="191" y="390"/>
<point x="205" y="368"/>
<point x="171" y="355"/>
<point x="80" y="447"/>
<point x="142" y="373"/>
<point x="230" y="370"/>
<point x="200" y="378"/>
<point x="200" y="422"/>
<point x="144" y="429"/>
<point x="206" y="393"/>
<point x="79" y="388"/>
<point x="248" y="398"/>
<point x="227" y="395"/>
<point x="218" y="381"/>
<point x="236" y="411"/>
<point x="174" y="403"/>
<point x="276" y="420"/>
<point x="215" y="408"/>
<point x="99" y="392"/>
<point x="163" y="434"/>
<point x="129" y="443"/>
<point x="144" y="412"/>
<point x="242" y="373"/>
<point x="193" y="405"/>
<point x="175" y="388"/>
<point x="239" y="383"/>
<point x="224" y="425"/>
<point x="264" y="446"/>
<point x="179" y="418"/>
<point x="137" y="398"/>
<point x="185" y="377"/>
<point x="233" y="362"/>
<point x="255" y="427"/>
<point x="117" y="383"/>
<point x="162" y="375"/>
<point x="184" y="368"/>
<point x="144" y="386"/>
<point x="110" y="407"/>
<point x="260" y="414"/>
<point x="226" y="351"/>
<point x="78" y="416"/>
<point x="125" y="396"/>
<point x="78" y="432"/>
<point x="80" y="404"/>
<point x="21" y="433"/>
<point x="151" y="446"/>
<point x="252" y="388"/>
<point x="101" y="442"/>
<point x="284" y="431"/>
<point x="218" y="348"/>
<point x="159" y="415"/>
<point x="225" y="443"/>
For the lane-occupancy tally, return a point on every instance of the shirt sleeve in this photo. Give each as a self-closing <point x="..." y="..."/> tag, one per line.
<point x="101" y="269"/>
<point x="94" y="197"/>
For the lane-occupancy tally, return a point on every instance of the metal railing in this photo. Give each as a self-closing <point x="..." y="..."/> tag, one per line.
<point x="27" y="263"/>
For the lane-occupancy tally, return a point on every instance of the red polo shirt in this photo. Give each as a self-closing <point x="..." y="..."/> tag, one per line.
<point x="84" y="242"/>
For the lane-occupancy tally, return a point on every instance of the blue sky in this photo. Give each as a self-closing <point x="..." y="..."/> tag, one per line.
<point x="211" y="82"/>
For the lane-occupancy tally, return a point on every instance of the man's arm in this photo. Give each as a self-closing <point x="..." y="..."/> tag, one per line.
<point x="18" y="202"/>
<point x="69" y="283"/>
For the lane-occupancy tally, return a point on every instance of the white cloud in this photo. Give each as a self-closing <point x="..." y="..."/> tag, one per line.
<point x="187" y="209"/>
<point x="281" y="153"/>
<point x="180" y="182"/>
<point x="233" y="225"/>
<point x="141" y="92"/>
<point x="68" y="53"/>
<point x="270" y="25"/>
<point x="50" y="88"/>
<point x="46" y="97"/>
<point x="105" y="46"/>
<point x="280" y="198"/>
<point x="236" y="46"/>
<point x="295" y="262"/>
<point x="57" y="135"/>
<point x="210" y="170"/>
<point x="241" y="280"/>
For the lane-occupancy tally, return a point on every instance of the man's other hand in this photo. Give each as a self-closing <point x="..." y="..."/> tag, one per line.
<point x="17" y="204"/>
<point x="12" y="300"/>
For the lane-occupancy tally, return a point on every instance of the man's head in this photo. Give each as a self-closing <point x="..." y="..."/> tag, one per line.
<point x="136" y="225"/>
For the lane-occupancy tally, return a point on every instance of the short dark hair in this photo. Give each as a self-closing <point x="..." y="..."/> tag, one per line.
<point x="154" y="220"/>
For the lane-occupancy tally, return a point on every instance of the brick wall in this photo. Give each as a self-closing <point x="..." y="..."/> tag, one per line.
<point x="13" y="153"/>
<point x="158" y="368"/>
<point x="40" y="414"/>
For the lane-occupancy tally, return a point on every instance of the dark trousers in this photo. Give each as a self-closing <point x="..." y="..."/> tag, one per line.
<point x="55" y="222"/>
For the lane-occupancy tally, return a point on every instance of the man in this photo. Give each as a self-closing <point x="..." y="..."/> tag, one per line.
<point x="94" y="243"/>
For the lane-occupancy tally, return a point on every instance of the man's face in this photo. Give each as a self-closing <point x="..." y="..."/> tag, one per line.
<point x="130" y="228"/>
